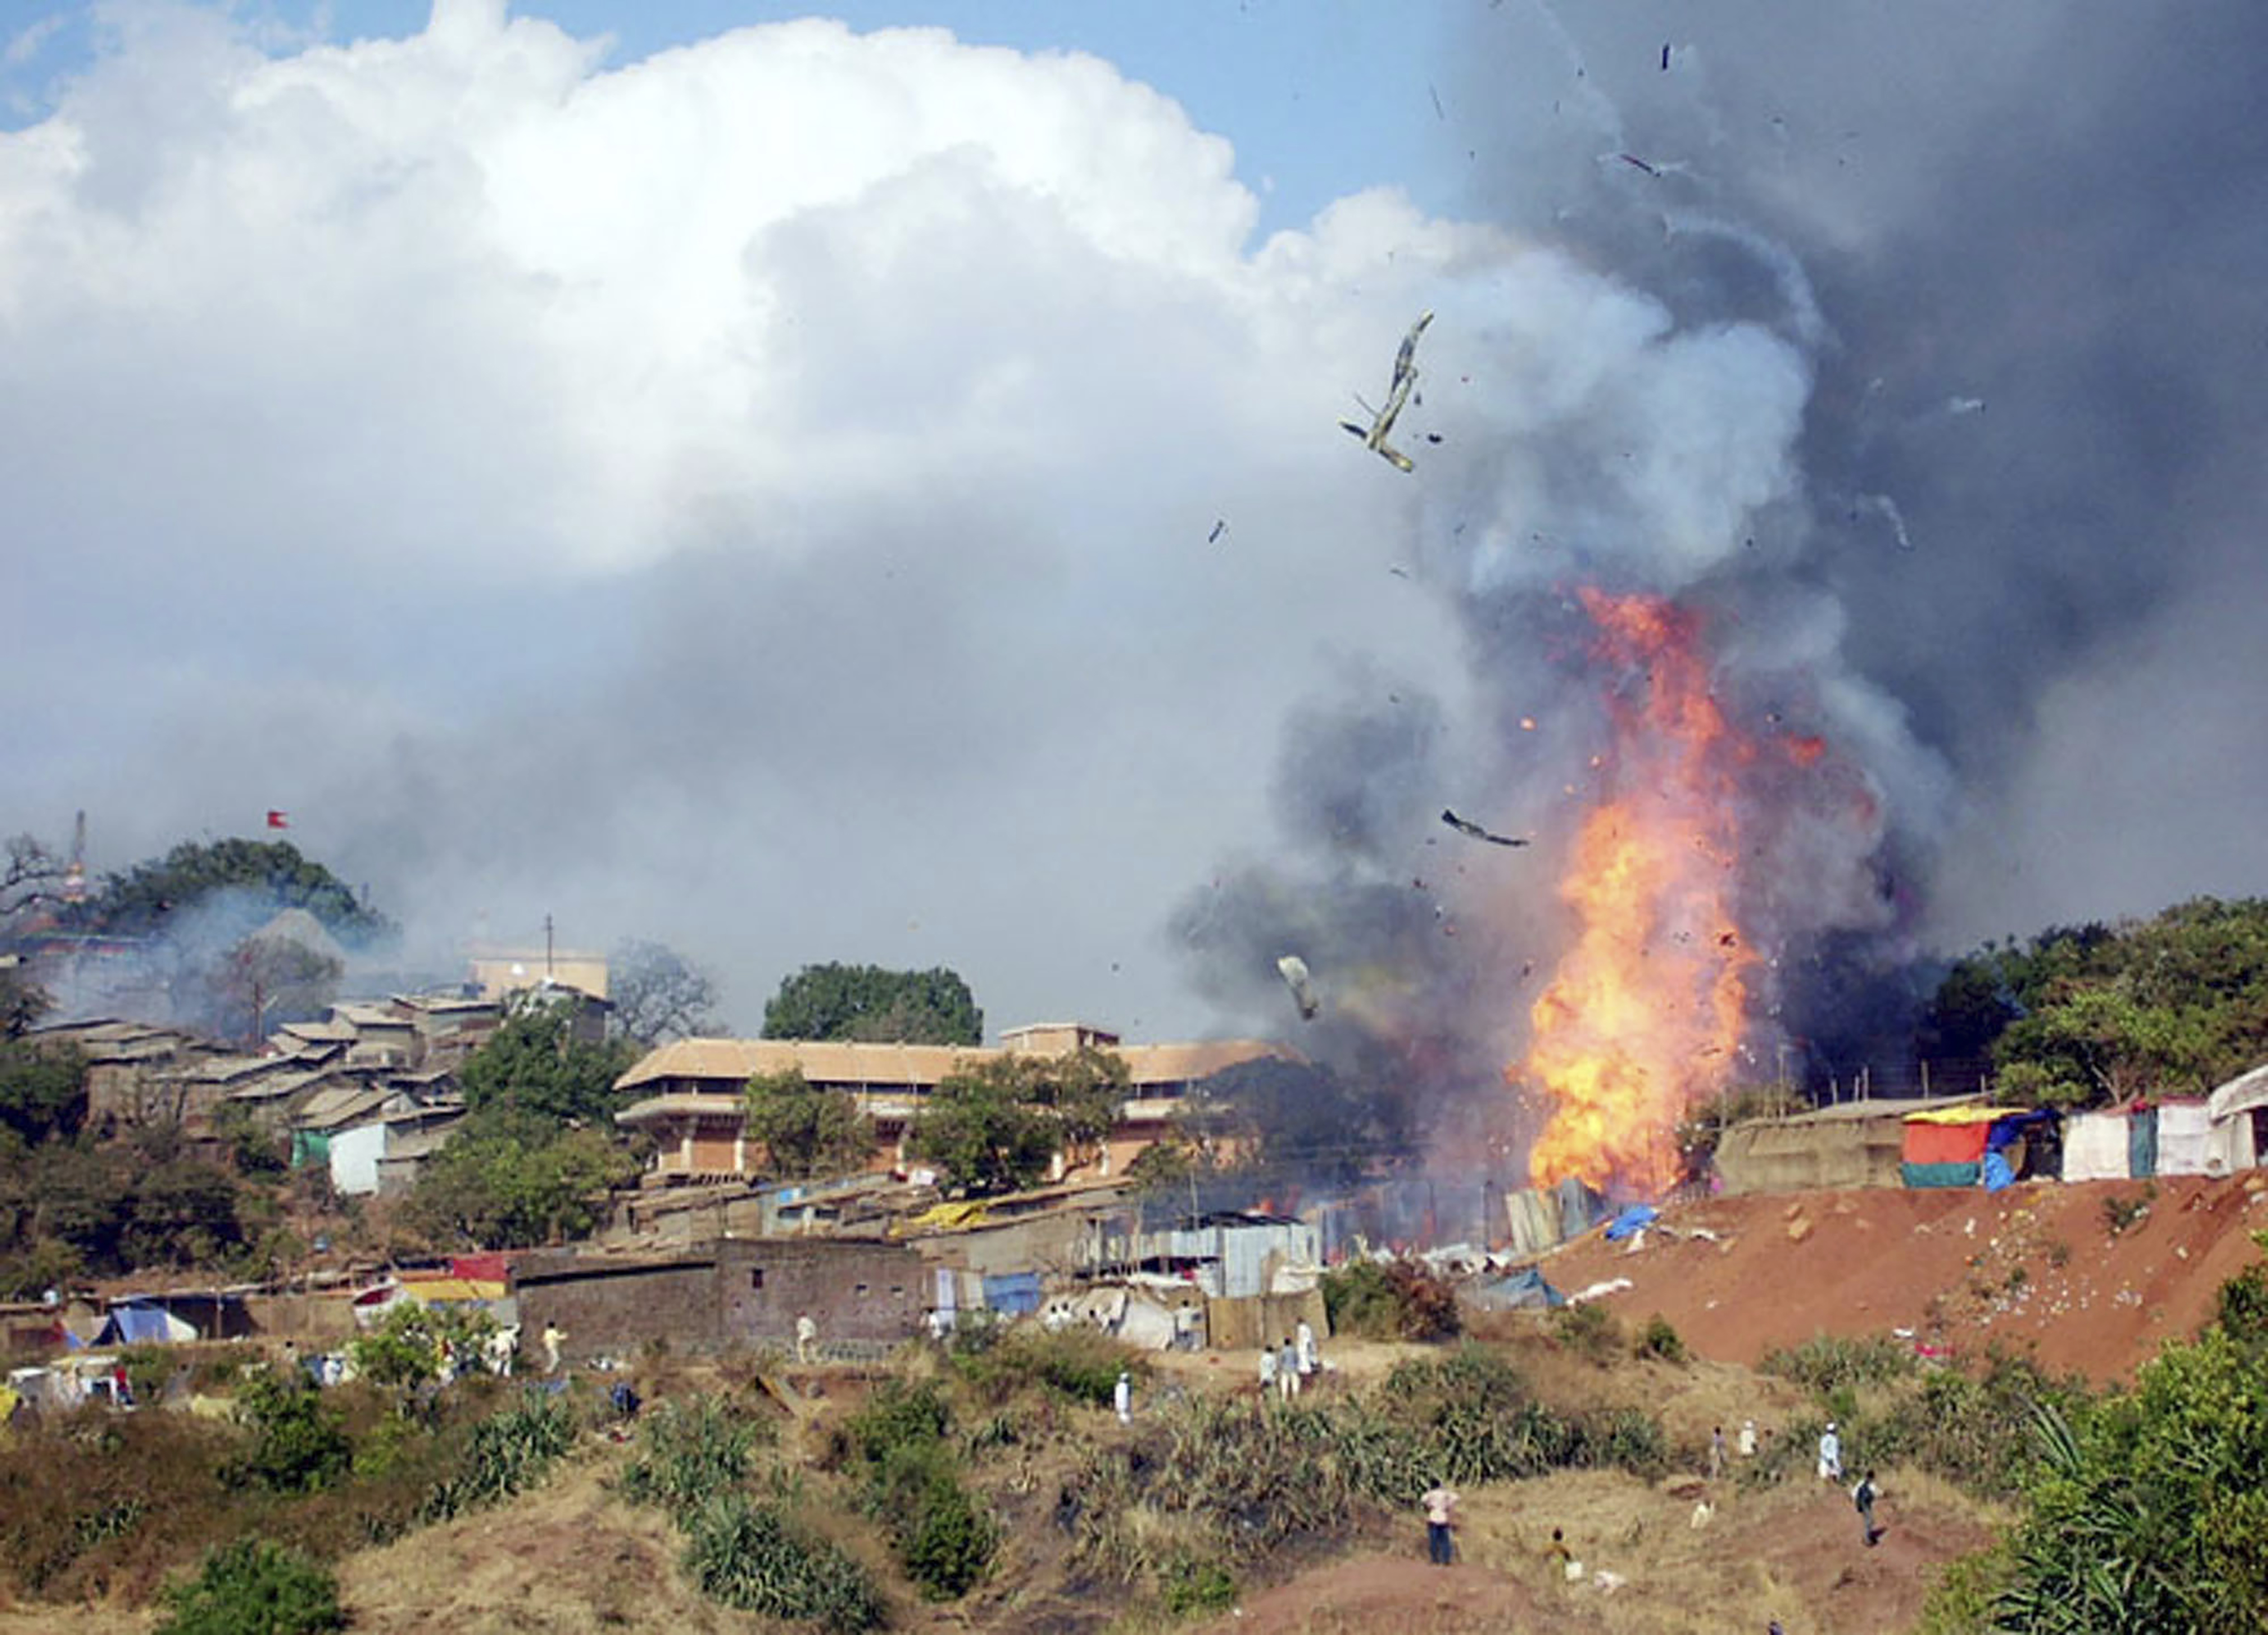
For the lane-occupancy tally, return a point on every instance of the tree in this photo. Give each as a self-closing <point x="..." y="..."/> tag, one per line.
<point x="272" y="875"/>
<point x="42" y="1091"/>
<point x="807" y="1133"/>
<point x="32" y="883"/>
<point x="22" y="1001"/>
<point x="533" y="1064"/>
<point x="978" y="1128"/>
<point x="512" y="1180"/>
<point x="866" y="1002"/>
<point x="2145" y="1510"/>
<point x="657" y="994"/>
<point x="264" y="978"/>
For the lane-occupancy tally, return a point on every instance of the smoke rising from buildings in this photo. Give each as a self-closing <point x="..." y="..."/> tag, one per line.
<point x="765" y="497"/>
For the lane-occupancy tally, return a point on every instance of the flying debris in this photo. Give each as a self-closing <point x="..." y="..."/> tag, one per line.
<point x="1665" y="57"/>
<point x="1632" y="159"/>
<point x="1294" y="969"/>
<point x="1964" y="405"/>
<point x="1463" y="827"/>
<point x="1398" y="394"/>
<point x="1436" y="95"/>
<point x="1219" y="528"/>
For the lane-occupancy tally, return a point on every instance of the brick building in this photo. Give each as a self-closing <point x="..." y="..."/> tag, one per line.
<point x="735" y="1291"/>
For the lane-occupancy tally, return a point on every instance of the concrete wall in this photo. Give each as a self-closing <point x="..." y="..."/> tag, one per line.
<point x="747" y="1291"/>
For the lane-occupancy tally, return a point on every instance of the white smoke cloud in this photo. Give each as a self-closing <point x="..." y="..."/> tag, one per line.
<point x="765" y="497"/>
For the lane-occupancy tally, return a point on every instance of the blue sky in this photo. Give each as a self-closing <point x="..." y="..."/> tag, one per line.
<point x="1322" y="98"/>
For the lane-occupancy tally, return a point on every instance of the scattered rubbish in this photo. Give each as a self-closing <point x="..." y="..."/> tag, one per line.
<point x="1294" y="969"/>
<point x="1463" y="827"/>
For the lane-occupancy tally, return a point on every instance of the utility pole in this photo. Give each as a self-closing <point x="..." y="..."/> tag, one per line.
<point x="547" y="948"/>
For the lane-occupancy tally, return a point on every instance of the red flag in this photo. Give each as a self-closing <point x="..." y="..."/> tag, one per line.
<point x="277" y="820"/>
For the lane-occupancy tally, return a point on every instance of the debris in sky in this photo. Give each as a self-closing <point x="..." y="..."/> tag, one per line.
<point x="1665" y="57"/>
<point x="1632" y="159"/>
<point x="1294" y="969"/>
<point x="1398" y="394"/>
<point x="1883" y="505"/>
<point x="1398" y="571"/>
<point x="1463" y="827"/>
<point x="278" y="820"/>
<point x="1433" y="437"/>
<point x="1436" y="95"/>
<point x="1219" y="526"/>
<point x="1964" y="405"/>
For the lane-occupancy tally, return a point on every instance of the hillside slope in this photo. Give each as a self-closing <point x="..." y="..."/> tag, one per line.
<point x="2038" y="1269"/>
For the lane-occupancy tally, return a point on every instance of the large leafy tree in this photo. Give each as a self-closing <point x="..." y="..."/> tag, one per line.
<point x="2079" y="1016"/>
<point x="867" y="1002"/>
<point x="270" y="875"/>
<point x="534" y="1064"/>
<point x="994" y="1125"/>
<point x="659" y="994"/>
<point x="977" y="1127"/>
<point x="807" y="1132"/>
<point x="42" y="1091"/>
<point x="512" y="1181"/>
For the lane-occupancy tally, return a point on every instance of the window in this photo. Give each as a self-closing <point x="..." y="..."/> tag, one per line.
<point x="861" y="1289"/>
<point x="755" y="1277"/>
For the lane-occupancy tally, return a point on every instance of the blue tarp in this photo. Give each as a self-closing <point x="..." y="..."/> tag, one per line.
<point x="1514" y="1290"/>
<point x="141" y="1325"/>
<point x="1017" y="1295"/>
<point x="1996" y="1173"/>
<point x="1635" y="1218"/>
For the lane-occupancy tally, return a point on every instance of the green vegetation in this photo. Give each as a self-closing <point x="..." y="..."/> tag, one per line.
<point x="694" y="1462"/>
<point x="909" y="1483"/>
<point x="1657" y="1339"/>
<point x="807" y="1133"/>
<point x="866" y="1002"/>
<point x="1401" y="1299"/>
<point x="538" y="1153"/>
<point x="2081" y="1016"/>
<point x="506" y="1455"/>
<point x="299" y="1441"/>
<point x="254" y="1587"/>
<point x="2144" y="1509"/>
<point x="270" y="875"/>
<point x="996" y="1126"/>
<point x="1078" y="1364"/>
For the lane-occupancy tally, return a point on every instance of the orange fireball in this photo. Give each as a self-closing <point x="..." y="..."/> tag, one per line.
<point x="1644" y="1013"/>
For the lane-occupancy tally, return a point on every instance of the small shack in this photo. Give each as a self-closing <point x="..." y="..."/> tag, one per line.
<point x="1972" y="1146"/>
<point x="1851" y="1143"/>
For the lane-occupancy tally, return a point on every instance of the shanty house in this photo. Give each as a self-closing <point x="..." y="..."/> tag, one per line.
<point x="1851" y="1143"/>
<point x="1971" y="1145"/>
<point x="748" y="1291"/>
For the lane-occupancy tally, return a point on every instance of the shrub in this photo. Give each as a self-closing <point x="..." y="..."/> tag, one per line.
<point x="1590" y="1331"/>
<point x="747" y="1555"/>
<point x="300" y="1441"/>
<point x="253" y="1588"/>
<point x="507" y="1453"/>
<point x="1658" y="1339"/>
<point x="1078" y="1362"/>
<point x="1400" y="1299"/>
<point x="690" y="1453"/>
<point x="1826" y="1362"/>
<point x="1193" y="1586"/>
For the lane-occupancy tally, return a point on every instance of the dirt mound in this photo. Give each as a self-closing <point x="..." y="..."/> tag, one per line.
<point x="2043" y="1268"/>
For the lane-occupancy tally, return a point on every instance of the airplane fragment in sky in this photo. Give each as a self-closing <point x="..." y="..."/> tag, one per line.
<point x="1398" y="394"/>
<point x="1465" y="826"/>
